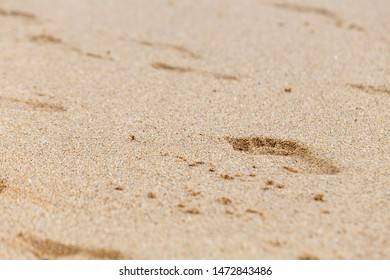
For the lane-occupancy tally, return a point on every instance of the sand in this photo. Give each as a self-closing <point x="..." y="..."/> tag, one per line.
<point x="194" y="129"/>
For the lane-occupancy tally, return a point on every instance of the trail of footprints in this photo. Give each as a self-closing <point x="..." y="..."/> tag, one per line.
<point x="42" y="39"/>
<point x="46" y="38"/>
<point x="306" y="161"/>
<point x="298" y="8"/>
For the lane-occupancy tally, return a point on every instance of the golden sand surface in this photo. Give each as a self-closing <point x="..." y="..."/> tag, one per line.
<point x="183" y="129"/>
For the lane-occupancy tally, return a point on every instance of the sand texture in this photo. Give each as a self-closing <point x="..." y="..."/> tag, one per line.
<point x="179" y="129"/>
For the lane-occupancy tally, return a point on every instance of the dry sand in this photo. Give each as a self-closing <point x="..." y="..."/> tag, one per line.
<point x="194" y="129"/>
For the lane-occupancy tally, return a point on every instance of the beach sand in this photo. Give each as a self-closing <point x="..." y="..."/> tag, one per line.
<point x="168" y="129"/>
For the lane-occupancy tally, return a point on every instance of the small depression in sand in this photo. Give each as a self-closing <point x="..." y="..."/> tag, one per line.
<point x="307" y="162"/>
<point x="46" y="249"/>
<point x="3" y="185"/>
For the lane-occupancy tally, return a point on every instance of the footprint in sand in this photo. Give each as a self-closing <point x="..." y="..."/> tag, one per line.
<point x="3" y="185"/>
<point x="17" y="14"/>
<point x="52" y="40"/>
<point x="180" y="69"/>
<point x="318" y="11"/>
<point x="307" y="162"/>
<point x="379" y="90"/>
<point x="35" y="105"/>
<point x="176" y="48"/>
<point x="45" y="249"/>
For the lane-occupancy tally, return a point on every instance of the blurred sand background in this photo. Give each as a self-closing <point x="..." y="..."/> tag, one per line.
<point x="166" y="129"/>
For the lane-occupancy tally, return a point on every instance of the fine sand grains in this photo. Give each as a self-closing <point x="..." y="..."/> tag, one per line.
<point x="194" y="130"/>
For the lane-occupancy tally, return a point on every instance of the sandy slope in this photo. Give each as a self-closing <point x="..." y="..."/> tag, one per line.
<point x="194" y="129"/>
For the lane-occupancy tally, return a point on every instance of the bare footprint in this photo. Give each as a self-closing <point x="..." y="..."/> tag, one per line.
<point x="354" y="26"/>
<point x="307" y="161"/>
<point x="45" y="39"/>
<point x="35" y="105"/>
<point x="380" y="90"/>
<point x="179" y="69"/>
<point x="164" y="66"/>
<point x="3" y="185"/>
<point x="299" y="8"/>
<point x="17" y="14"/>
<point x="177" y="48"/>
<point x="49" y="39"/>
<point x="46" y="249"/>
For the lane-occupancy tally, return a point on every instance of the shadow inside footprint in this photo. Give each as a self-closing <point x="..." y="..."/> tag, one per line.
<point x="3" y="185"/>
<point x="16" y="13"/>
<point x="46" y="249"/>
<point x="307" y="161"/>
<point x="35" y="105"/>
<point x="379" y="90"/>
<point x="310" y="10"/>
<point x="179" y="69"/>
